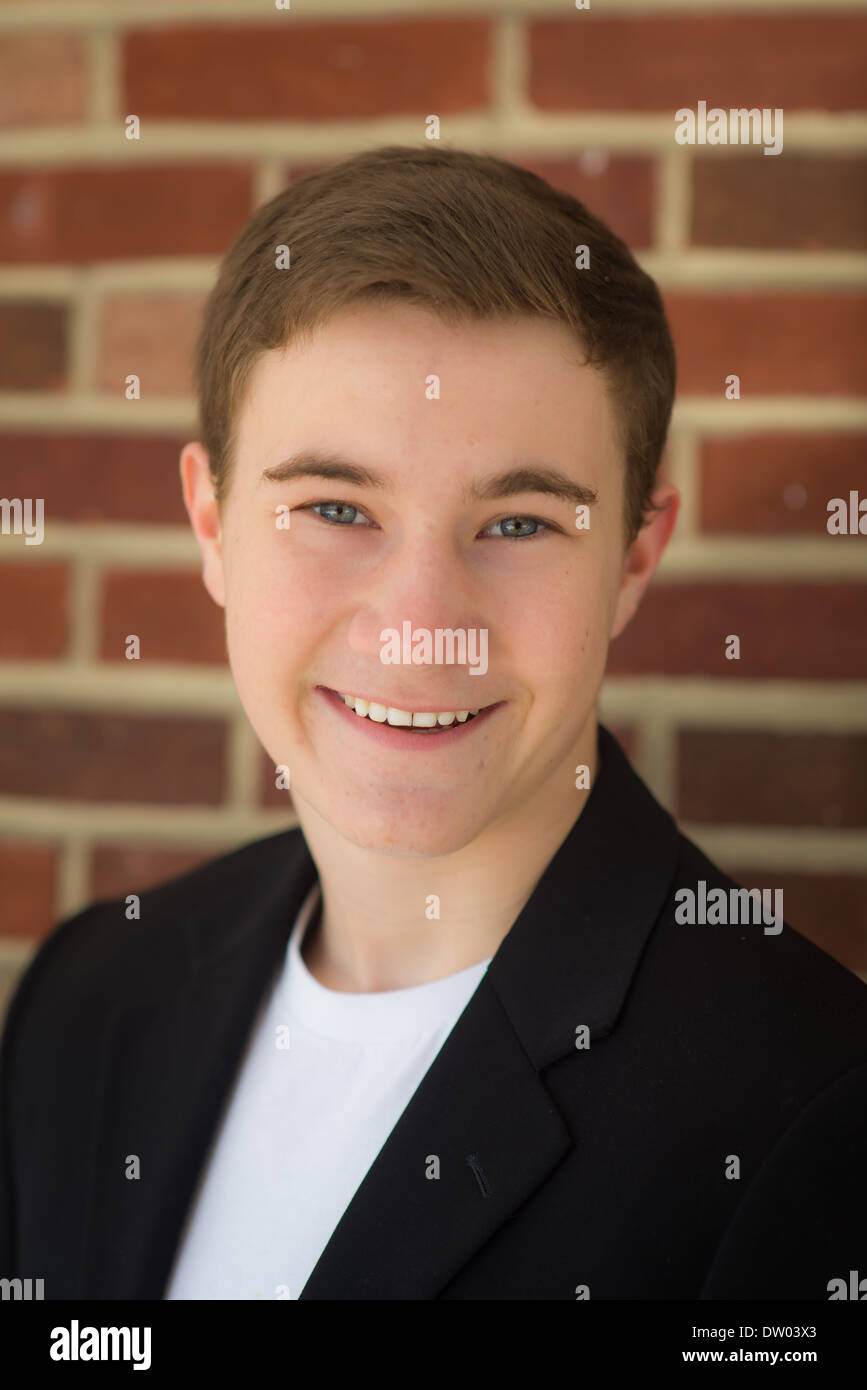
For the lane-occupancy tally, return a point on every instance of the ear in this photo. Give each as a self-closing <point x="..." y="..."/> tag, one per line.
<point x="644" y="554"/>
<point x="204" y="514"/>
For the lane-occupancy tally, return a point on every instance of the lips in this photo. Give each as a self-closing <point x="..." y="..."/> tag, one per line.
<point x="412" y="706"/>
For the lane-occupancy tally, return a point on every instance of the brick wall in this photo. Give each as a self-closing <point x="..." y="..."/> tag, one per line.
<point x="114" y="775"/>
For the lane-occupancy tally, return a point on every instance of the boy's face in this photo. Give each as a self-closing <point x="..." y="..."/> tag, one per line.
<point x="306" y="606"/>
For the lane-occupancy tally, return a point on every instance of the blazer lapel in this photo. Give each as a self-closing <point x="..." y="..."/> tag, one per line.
<point x="482" y="1115"/>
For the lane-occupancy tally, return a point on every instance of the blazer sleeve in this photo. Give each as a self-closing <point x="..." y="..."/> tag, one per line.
<point x="803" y="1219"/>
<point x="15" y="1081"/>
<point x="8" y="1246"/>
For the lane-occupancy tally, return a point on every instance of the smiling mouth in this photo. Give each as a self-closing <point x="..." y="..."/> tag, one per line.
<point x="412" y="721"/>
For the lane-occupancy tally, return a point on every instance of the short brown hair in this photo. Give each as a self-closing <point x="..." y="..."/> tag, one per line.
<point x="467" y="236"/>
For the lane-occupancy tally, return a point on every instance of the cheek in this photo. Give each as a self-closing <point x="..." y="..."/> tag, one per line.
<point x="268" y="593"/>
<point x="279" y="602"/>
<point x="257" y="616"/>
<point x="560" y="626"/>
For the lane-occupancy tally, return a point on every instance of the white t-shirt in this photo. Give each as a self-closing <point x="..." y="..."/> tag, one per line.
<point x="305" y="1122"/>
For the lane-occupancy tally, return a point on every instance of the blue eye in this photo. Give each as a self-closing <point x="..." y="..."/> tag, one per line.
<point x="526" y="521"/>
<point x="338" y="507"/>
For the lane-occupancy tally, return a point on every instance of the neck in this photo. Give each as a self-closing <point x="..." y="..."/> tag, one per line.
<point x="377" y="927"/>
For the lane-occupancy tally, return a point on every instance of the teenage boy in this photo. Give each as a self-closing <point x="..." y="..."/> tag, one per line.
<point x="470" y="1031"/>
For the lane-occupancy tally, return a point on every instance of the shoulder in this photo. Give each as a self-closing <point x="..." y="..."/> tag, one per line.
<point x="746" y="981"/>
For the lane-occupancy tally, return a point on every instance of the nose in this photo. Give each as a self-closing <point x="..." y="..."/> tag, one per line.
<point x="424" y="580"/>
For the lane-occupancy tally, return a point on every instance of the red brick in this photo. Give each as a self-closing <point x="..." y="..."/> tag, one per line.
<point x="34" y="608"/>
<point x="307" y="71"/>
<point x="151" y="336"/>
<point x="796" y="631"/>
<point x="783" y="344"/>
<point x="43" y="79"/>
<point x="119" y="869"/>
<point x="171" y="612"/>
<point x="803" y="62"/>
<point x="746" y="777"/>
<point x="798" y="202"/>
<point x="829" y="909"/>
<point x="97" y="477"/>
<point x="768" y="484"/>
<point x="112" y="757"/>
<point x="33" y="345"/>
<point x="102" y="214"/>
<point x="28" y="873"/>
<point x="622" y="192"/>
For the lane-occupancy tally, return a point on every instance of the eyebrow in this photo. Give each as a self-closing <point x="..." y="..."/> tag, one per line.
<point x="527" y="477"/>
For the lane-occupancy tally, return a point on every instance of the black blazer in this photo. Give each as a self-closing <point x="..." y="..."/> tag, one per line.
<point x="561" y="1167"/>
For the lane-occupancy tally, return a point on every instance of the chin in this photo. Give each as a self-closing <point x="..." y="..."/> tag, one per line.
<point x="424" y="840"/>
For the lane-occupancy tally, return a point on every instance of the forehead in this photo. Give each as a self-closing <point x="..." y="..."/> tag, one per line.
<point x="395" y="381"/>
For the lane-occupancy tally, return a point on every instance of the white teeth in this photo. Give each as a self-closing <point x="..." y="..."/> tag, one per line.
<point x="401" y="718"/>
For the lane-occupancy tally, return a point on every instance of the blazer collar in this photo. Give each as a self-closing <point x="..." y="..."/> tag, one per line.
<point x="169" y="1062"/>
